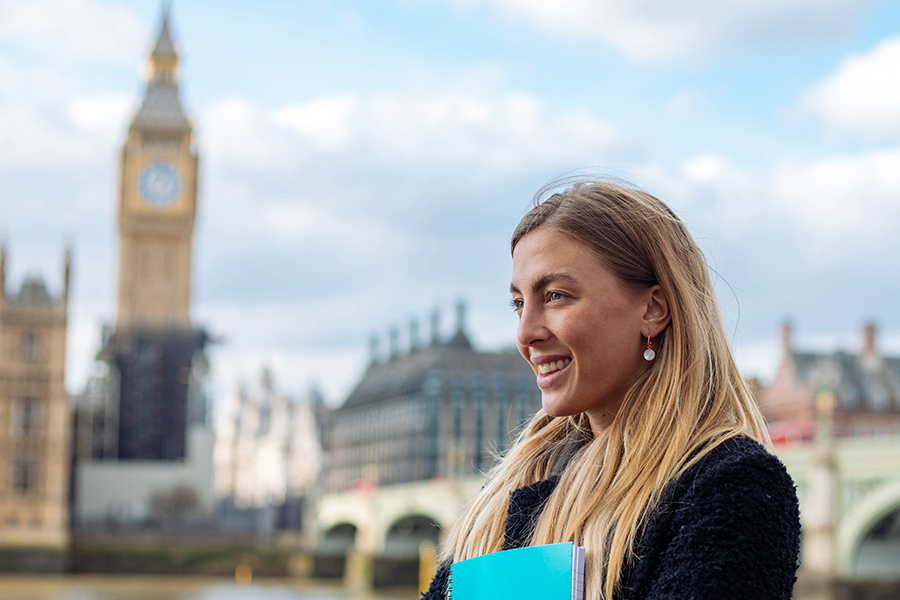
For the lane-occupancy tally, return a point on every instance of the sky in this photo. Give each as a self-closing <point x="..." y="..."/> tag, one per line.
<point x="364" y="163"/>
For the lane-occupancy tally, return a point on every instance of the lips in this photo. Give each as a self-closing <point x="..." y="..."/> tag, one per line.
<point x="550" y="371"/>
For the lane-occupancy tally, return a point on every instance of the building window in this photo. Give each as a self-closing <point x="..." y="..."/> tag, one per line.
<point x="31" y="348"/>
<point x="26" y="418"/>
<point x="25" y="477"/>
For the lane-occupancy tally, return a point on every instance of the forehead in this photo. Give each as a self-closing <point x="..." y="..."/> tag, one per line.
<point x="546" y="251"/>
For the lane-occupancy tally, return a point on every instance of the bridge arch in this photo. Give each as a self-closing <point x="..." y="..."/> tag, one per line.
<point x="859" y="521"/>
<point x="348" y="512"/>
<point x="339" y="539"/>
<point x="405" y="535"/>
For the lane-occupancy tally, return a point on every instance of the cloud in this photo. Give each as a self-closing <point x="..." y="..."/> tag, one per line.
<point x="105" y="114"/>
<point x="863" y="95"/>
<point x="359" y="209"/>
<point x="327" y="121"/>
<point x="444" y="129"/>
<point x="72" y="30"/>
<point x="48" y="119"/>
<point x="30" y="140"/>
<point x="666" y="31"/>
<point x="850" y="198"/>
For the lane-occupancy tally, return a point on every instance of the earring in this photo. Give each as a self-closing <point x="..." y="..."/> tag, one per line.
<point x="649" y="354"/>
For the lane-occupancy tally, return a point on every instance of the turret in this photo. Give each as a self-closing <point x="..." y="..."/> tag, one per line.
<point x="413" y="334"/>
<point x="435" y="326"/>
<point x="164" y="58"/>
<point x="67" y="276"/>
<point x="787" y="342"/>
<point x="2" y="272"/>
<point x="869" y="339"/>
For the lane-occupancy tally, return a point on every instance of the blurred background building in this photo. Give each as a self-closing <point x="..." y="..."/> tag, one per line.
<point x="410" y="446"/>
<point x="438" y="409"/>
<point x="142" y="435"/>
<point x="267" y="457"/>
<point x="34" y="424"/>
<point x="863" y="388"/>
<point x="835" y="421"/>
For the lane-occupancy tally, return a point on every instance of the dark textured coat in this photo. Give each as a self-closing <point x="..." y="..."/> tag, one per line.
<point x="728" y="528"/>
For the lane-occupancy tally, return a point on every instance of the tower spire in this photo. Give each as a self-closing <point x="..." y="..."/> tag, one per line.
<point x="164" y="58"/>
<point x="161" y="107"/>
<point x="164" y="45"/>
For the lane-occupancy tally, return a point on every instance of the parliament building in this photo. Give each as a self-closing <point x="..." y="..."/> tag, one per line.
<point x="34" y="425"/>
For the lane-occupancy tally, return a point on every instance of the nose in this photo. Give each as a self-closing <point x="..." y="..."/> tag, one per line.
<point x="532" y="328"/>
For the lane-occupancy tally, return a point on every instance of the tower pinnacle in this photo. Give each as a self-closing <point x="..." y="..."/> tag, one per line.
<point x="164" y="45"/>
<point x="161" y="107"/>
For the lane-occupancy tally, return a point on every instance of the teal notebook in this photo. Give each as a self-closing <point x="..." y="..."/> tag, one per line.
<point x="548" y="572"/>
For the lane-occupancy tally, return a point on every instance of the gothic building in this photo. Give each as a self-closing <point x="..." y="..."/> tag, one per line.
<point x="268" y="455"/>
<point x="147" y="397"/>
<point x="853" y="394"/>
<point x="34" y="423"/>
<point x="442" y="409"/>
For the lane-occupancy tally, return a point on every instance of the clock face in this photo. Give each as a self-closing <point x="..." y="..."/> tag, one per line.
<point x="160" y="183"/>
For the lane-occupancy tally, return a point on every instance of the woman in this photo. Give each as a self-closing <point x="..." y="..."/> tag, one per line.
<point x="648" y="450"/>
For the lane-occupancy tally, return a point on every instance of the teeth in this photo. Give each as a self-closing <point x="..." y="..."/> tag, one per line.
<point x="545" y="368"/>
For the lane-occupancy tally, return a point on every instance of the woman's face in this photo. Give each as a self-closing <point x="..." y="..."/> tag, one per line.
<point x="580" y="329"/>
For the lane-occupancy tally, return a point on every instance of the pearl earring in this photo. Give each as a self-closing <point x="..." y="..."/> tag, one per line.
<point x="649" y="354"/>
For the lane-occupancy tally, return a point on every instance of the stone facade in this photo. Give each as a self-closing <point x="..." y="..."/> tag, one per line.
<point x="34" y="415"/>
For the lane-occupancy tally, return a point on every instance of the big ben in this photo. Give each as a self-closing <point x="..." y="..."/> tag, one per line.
<point x="157" y="203"/>
<point x="154" y="352"/>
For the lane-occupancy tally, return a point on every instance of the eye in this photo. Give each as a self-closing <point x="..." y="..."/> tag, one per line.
<point x="555" y="296"/>
<point x="516" y="304"/>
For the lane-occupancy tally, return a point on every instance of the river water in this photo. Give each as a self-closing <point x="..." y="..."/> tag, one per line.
<point x="128" y="587"/>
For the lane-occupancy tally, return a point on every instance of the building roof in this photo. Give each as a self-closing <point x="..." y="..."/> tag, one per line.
<point x="857" y="380"/>
<point x="33" y="292"/>
<point x="455" y="362"/>
<point x="161" y="107"/>
<point x="164" y="45"/>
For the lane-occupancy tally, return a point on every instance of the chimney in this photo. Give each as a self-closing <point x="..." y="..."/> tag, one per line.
<point x="413" y="334"/>
<point x="435" y="326"/>
<point x="67" y="274"/>
<point x="869" y="333"/>
<point x="395" y="341"/>
<point x="787" y="334"/>
<point x="373" y="348"/>
<point x="2" y="271"/>
<point x="460" y="316"/>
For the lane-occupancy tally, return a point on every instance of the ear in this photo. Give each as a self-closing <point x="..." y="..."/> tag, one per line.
<point x="657" y="316"/>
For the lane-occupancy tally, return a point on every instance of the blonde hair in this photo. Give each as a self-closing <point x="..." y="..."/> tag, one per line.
<point x="691" y="399"/>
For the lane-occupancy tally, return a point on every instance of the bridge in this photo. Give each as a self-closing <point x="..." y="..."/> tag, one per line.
<point x="849" y="491"/>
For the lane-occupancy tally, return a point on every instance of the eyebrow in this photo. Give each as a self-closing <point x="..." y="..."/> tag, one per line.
<point x="544" y="281"/>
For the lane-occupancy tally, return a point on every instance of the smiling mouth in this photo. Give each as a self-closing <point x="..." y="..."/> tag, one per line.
<point x="550" y="367"/>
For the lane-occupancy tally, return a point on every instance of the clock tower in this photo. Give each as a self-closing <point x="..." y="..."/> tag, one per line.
<point x="157" y="203"/>
<point x="155" y="354"/>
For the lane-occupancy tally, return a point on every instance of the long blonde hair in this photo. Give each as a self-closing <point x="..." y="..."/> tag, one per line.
<point x="690" y="400"/>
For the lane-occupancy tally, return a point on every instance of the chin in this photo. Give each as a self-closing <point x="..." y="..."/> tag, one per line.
<point x="557" y="411"/>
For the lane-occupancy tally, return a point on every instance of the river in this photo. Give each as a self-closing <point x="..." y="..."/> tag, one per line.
<point x="130" y="587"/>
